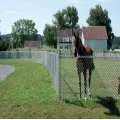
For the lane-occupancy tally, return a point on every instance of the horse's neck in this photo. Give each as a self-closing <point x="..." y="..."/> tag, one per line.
<point x="81" y="51"/>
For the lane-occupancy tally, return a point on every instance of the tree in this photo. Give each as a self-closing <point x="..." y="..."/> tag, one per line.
<point x="67" y="18"/>
<point x="5" y="37"/>
<point x="50" y="35"/>
<point x="116" y="43"/>
<point x="99" y="17"/>
<point x="23" y="30"/>
<point x="4" y="45"/>
<point x="4" y="42"/>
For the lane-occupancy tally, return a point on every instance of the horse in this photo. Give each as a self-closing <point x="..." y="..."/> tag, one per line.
<point x="84" y="62"/>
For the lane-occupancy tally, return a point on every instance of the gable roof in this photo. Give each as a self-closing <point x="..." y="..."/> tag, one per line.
<point x="95" y="33"/>
<point x="31" y="43"/>
<point x="67" y="32"/>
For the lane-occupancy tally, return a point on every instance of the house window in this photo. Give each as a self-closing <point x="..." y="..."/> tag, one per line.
<point x="61" y="47"/>
<point x="70" y="40"/>
<point x="64" y="40"/>
<point x="66" y="47"/>
<point x="60" y="39"/>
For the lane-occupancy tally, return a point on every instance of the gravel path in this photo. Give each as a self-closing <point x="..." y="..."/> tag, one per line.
<point x="5" y="70"/>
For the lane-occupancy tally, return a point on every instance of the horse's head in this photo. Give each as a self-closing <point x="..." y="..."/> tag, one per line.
<point x="77" y="40"/>
<point x="78" y="45"/>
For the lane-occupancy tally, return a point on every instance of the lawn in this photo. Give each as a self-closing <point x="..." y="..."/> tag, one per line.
<point x="29" y="93"/>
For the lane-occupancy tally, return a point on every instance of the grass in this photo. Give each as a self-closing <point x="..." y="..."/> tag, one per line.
<point x="104" y="79"/>
<point x="29" y="93"/>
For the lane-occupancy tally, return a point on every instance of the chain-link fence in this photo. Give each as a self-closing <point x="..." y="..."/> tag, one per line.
<point x="49" y="59"/>
<point x="104" y="78"/>
<point x="64" y="72"/>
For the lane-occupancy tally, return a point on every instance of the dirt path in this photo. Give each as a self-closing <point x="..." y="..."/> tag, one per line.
<point x="5" y="70"/>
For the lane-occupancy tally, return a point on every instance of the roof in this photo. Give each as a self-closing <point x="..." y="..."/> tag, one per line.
<point x="31" y="43"/>
<point x="95" y="33"/>
<point x="67" y="32"/>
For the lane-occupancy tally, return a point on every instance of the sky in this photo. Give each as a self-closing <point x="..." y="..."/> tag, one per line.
<point x="42" y="11"/>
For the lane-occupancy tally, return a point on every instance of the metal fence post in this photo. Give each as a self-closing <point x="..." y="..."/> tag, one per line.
<point x="58" y="75"/>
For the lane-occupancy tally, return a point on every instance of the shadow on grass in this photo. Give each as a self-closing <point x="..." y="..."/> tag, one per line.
<point x="110" y="103"/>
<point x="76" y="102"/>
<point x="96" y="101"/>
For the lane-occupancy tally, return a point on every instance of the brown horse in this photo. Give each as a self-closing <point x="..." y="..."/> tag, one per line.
<point x="84" y="62"/>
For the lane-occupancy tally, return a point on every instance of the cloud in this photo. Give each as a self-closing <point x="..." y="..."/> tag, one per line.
<point x="14" y="12"/>
<point x="73" y="1"/>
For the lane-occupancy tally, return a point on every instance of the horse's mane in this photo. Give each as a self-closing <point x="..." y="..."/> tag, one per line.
<point x="83" y="51"/>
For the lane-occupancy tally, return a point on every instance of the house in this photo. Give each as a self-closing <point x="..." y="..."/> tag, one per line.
<point x="94" y="37"/>
<point x="30" y="44"/>
<point x="65" y="38"/>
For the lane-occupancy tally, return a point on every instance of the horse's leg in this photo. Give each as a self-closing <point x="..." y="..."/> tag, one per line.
<point x="89" y="81"/>
<point x="85" y="82"/>
<point x="79" y="75"/>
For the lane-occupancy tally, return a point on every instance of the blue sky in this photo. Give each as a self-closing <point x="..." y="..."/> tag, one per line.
<point x="41" y="12"/>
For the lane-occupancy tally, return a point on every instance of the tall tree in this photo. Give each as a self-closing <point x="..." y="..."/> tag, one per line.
<point x="67" y="18"/>
<point x="50" y="35"/>
<point x="99" y="17"/>
<point x="23" y="30"/>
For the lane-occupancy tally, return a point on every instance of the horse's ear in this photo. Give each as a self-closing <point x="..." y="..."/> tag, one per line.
<point x="74" y="35"/>
<point x="78" y="34"/>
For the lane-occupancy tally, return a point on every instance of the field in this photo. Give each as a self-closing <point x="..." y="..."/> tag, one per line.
<point x="104" y="78"/>
<point x="29" y="93"/>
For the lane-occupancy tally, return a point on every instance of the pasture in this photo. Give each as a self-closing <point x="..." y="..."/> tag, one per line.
<point x="29" y="93"/>
<point x="104" y="78"/>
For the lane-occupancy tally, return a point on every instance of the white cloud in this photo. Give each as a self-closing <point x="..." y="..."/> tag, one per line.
<point x="73" y="1"/>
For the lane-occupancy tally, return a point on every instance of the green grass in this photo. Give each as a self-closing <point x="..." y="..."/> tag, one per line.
<point x="25" y="83"/>
<point x="104" y="79"/>
<point x="29" y="93"/>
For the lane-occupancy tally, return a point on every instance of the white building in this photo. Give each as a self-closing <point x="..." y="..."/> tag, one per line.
<point x="94" y="37"/>
<point x="65" y="38"/>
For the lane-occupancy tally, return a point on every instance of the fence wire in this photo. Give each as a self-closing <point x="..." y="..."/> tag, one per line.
<point x="48" y="59"/>
<point x="105" y="78"/>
